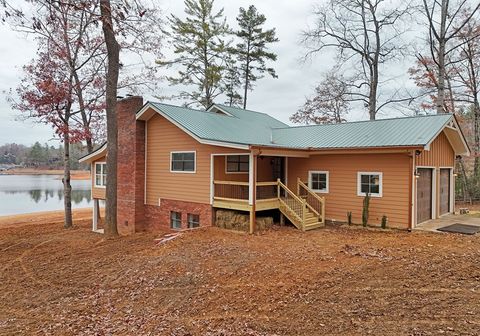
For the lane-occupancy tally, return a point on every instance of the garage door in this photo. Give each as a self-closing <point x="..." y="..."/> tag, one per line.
<point x="424" y="195"/>
<point x="444" y="191"/>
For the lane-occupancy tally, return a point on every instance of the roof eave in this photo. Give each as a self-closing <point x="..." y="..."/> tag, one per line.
<point x="98" y="153"/>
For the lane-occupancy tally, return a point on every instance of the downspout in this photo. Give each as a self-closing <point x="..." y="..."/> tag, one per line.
<point x="412" y="191"/>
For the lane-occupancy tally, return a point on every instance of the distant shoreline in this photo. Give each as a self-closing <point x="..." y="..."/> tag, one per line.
<point x="76" y="174"/>
<point x="43" y="217"/>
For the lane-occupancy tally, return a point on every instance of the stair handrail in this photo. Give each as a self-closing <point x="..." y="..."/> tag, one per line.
<point x="314" y="194"/>
<point x="296" y="198"/>
<point x="283" y="186"/>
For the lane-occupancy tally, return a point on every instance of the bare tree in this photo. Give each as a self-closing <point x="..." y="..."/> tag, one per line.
<point x="465" y="74"/>
<point x="113" y="69"/>
<point x="445" y="21"/>
<point x="92" y="55"/>
<point x="366" y="34"/>
<point x="329" y="105"/>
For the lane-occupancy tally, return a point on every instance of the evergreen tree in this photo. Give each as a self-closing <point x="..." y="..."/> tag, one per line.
<point x="252" y="50"/>
<point x="199" y="46"/>
<point x="36" y="156"/>
<point x="232" y="82"/>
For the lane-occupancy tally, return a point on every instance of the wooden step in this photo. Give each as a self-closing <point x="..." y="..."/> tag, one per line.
<point x="311" y="220"/>
<point x="313" y="226"/>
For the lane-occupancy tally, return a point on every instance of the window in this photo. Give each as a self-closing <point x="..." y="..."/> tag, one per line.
<point x="182" y="162"/>
<point x="318" y="181"/>
<point x="100" y="174"/>
<point x="237" y="163"/>
<point x="193" y="221"/>
<point x="175" y="220"/>
<point x="370" y="183"/>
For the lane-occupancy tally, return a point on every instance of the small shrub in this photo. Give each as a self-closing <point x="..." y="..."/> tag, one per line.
<point x="384" y="221"/>
<point x="349" y="218"/>
<point x="366" y="205"/>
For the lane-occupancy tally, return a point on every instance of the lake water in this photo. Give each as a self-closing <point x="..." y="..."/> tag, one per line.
<point x="32" y="193"/>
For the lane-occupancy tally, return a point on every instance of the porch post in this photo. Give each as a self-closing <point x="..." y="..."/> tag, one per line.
<point x="252" y="186"/>
<point x="95" y="215"/>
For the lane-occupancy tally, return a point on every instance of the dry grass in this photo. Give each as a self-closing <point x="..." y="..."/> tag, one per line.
<point x="342" y="281"/>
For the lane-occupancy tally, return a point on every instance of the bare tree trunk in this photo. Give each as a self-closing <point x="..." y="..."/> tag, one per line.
<point x="67" y="187"/>
<point x="372" y="96"/>
<point x="113" y="54"/>
<point x="440" y="101"/>
<point x="467" y="191"/>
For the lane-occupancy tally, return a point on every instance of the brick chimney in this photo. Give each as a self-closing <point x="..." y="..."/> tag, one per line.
<point x="131" y="166"/>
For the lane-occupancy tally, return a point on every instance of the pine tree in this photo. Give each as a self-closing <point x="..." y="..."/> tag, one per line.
<point x="199" y="45"/>
<point x="232" y="82"/>
<point x="252" y="51"/>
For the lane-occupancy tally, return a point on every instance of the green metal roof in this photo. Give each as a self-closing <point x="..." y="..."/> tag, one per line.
<point x="254" y="128"/>
<point x="259" y="117"/>
<point x="408" y="131"/>
<point x="249" y="128"/>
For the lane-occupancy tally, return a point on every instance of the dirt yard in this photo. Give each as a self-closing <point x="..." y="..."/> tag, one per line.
<point x="334" y="281"/>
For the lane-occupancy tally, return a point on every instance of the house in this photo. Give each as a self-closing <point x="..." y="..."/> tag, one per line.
<point x="177" y="166"/>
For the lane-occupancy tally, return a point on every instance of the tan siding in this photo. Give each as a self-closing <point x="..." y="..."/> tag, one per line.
<point x="98" y="193"/>
<point x="441" y="153"/>
<point x="342" y="196"/>
<point x="162" y="138"/>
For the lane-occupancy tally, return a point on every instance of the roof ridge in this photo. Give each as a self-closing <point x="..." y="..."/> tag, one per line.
<point x="194" y="110"/>
<point x="367" y="121"/>
<point x="185" y="107"/>
<point x="240" y="108"/>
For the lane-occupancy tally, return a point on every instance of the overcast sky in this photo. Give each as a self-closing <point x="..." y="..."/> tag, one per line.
<point x="279" y="97"/>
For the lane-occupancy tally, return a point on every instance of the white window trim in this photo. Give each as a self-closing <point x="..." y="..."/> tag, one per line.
<point x="359" y="184"/>
<point x="233" y="173"/>
<point x="95" y="175"/>
<point x="324" y="191"/>
<point x="184" y="172"/>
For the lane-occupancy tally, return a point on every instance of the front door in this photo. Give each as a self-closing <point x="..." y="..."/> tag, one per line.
<point x="444" y="191"/>
<point x="424" y="194"/>
<point x="278" y="168"/>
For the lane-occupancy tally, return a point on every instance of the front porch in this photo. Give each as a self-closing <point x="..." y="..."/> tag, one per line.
<point x="262" y="187"/>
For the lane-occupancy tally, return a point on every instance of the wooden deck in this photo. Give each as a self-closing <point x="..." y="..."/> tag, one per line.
<point x="306" y="210"/>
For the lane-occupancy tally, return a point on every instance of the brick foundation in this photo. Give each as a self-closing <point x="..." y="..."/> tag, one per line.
<point x="158" y="217"/>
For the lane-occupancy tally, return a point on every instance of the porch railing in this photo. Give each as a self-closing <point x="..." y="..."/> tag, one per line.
<point x="231" y="190"/>
<point x="266" y="190"/>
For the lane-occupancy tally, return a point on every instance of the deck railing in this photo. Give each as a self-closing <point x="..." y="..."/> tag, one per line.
<point x="266" y="190"/>
<point x="231" y="190"/>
